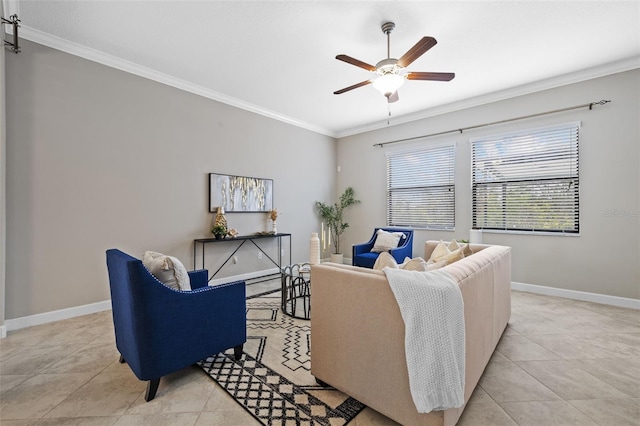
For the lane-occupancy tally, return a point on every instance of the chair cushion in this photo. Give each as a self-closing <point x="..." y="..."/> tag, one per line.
<point x="386" y="241"/>
<point x="167" y="269"/>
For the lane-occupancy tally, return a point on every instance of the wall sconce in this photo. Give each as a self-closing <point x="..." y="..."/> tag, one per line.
<point x="14" y="21"/>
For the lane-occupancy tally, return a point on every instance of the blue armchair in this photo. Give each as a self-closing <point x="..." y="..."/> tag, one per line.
<point x="362" y="255"/>
<point x="160" y="330"/>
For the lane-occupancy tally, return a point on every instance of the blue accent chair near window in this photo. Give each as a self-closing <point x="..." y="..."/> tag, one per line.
<point x="362" y="255"/>
<point x="160" y="330"/>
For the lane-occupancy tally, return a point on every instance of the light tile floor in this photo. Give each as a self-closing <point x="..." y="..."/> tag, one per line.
<point x="560" y="362"/>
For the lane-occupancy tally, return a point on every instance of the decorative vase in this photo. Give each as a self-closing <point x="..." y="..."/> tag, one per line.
<point x="274" y="229"/>
<point x="220" y="219"/>
<point x="314" y="249"/>
<point x="337" y="258"/>
<point x="475" y="236"/>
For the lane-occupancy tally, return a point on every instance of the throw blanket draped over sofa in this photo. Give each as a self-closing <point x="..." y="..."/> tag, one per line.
<point x="432" y="310"/>
<point x="358" y="334"/>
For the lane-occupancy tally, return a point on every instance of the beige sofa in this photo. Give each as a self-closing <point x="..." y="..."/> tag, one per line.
<point x="357" y="332"/>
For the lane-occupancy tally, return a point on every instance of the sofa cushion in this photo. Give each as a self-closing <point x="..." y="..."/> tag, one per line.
<point x="167" y="269"/>
<point x="386" y="241"/>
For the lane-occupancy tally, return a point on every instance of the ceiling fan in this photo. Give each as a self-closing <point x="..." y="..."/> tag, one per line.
<point x="391" y="73"/>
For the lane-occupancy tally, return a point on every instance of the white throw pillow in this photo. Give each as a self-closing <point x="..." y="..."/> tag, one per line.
<point x="436" y="265"/>
<point x="443" y="253"/>
<point x="167" y="269"/>
<point x="415" y="264"/>
<point x="385" y="260"/>
<point x="453" y="245"/>
<point x="438" y="252"/>
<point x="386" y="241"/>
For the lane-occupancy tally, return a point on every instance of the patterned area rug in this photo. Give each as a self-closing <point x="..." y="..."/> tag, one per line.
<point x="273" y="380"/>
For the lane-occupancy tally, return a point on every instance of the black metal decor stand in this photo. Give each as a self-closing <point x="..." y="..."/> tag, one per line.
<point x="295" y="288"/>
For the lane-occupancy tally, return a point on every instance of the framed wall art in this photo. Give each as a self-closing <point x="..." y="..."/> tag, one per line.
<point x="240" y="193"/>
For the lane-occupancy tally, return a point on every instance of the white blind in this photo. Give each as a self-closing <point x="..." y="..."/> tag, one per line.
<point x="527" y="181"/>
<point x="420" y="188"/>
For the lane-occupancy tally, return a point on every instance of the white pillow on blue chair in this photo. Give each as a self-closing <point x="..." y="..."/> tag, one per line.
<point x="167" y="269"/>
<point x="386" y="241"/>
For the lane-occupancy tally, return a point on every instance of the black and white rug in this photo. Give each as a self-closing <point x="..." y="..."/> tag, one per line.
<point x="273" y="380"/>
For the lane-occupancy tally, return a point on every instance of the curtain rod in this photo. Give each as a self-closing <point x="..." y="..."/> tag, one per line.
<point x="590" y="105"/>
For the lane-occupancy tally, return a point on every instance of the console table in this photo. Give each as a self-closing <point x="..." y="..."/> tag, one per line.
<point x="241" y="239"/>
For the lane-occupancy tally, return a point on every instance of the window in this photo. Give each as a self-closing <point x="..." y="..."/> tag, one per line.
<point x="527" y="181"/>
<point x="420" y="188"/>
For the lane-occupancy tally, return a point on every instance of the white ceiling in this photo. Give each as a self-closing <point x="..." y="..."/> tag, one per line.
<point x="277" y="58"/>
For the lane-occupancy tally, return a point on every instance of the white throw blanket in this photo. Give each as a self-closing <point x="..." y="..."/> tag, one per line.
<point x="433" y="312"/>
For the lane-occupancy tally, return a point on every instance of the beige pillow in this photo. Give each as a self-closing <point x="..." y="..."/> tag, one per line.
<point x="442" y="253"/>
<point x="415" y="264"/>
<point x="453" y="245"/>
<point x="451" y="257"/>
<point x="386" y="241"/>
<point x="436" y="265"/>
<point x="438" y="252"/>
<point x="385" y="260"/>
<point x="167" y="269"/>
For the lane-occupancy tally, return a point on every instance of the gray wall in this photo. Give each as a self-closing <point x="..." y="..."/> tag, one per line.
<point x="605" y="258"/>
<point x="98" y="158"/>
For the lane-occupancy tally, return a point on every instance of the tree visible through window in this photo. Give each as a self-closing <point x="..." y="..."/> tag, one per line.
<point x="421" y="189"/>
<point x="527" y="181"/>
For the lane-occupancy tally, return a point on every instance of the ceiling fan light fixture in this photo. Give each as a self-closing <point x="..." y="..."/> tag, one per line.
<point x="388" y="84"/>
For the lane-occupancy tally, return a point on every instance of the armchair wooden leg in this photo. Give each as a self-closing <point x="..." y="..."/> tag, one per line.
<point x="237" y="352"/>
<point x="121" y="360"/>
<point x="152" y="388"/>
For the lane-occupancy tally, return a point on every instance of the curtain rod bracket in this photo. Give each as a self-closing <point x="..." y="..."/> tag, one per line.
<point x="15" y="22"/>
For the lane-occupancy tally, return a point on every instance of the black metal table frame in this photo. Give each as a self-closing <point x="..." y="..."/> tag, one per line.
<point x="242" y="239"/>
<point x="295" y="286"/>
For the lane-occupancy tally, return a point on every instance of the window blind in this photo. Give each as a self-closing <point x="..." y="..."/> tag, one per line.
<point x="421" y="189"/>
<point x="527" y="181"/>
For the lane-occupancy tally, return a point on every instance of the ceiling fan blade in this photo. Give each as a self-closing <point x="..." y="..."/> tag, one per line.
<point x="416" y="51"/>
<point x="393" y="97"/>
<point x="436" y="76"/>
<point x="356" y="62"/>
<point x="355" y="86"/>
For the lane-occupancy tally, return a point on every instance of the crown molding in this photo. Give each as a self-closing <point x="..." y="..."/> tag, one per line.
<point x="93" y="55"/>
<point x="537" y="86"/>
<point x="130" y="67"/>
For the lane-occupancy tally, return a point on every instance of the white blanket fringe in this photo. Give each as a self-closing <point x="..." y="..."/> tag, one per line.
<point x="432" y="308"/>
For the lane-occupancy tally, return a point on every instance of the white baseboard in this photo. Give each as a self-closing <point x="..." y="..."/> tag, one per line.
<point x="31" y="320"/>
<point x="584" y="296"/>
<point x="244" y="277"/>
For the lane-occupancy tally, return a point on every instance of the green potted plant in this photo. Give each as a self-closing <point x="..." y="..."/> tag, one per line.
<point x="333" y="215"/>
<point x="219" y="231"/>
